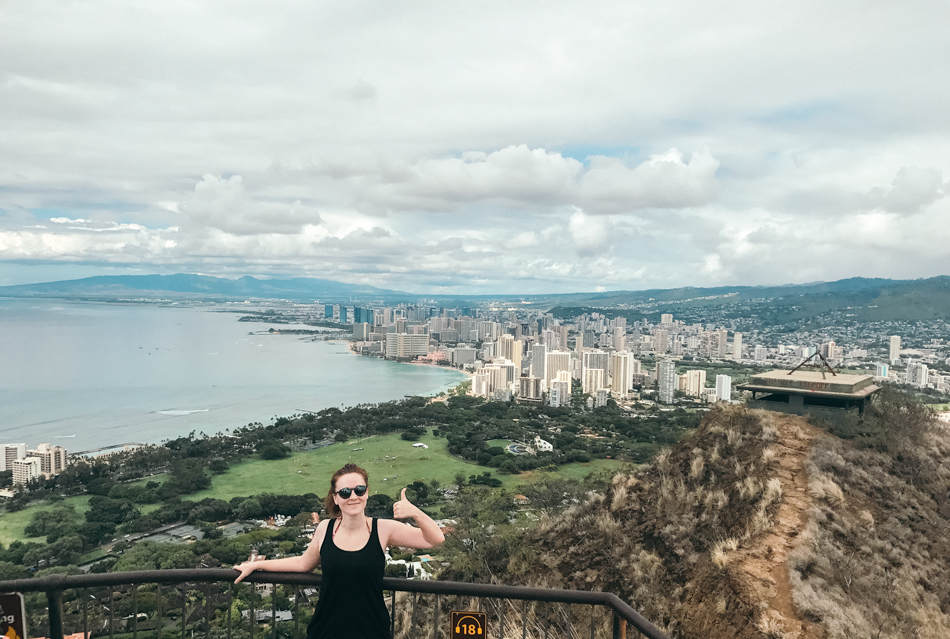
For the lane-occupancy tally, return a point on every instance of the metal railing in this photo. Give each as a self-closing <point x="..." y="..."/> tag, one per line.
<point x="55" y="586"/>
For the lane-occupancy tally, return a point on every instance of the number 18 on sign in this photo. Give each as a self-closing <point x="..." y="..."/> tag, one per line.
<point x="466" y="625"/>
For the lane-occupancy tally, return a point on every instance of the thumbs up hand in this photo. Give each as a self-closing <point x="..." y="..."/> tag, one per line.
<point x="403" y="509"/>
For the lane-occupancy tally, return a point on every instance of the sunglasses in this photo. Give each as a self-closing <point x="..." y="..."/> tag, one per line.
<point x="345" y="493"/>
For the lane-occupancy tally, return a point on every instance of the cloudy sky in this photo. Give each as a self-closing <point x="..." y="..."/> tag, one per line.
<point x="476" y="147"/>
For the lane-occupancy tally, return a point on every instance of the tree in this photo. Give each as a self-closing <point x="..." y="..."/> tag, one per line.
<point x="53" y="523"/>
<point x="113" y="511"/>
<point x="63" y="551"/>
<point x="149" y="555"/>
<point x="249" y="509"/>
<point x="273" y="450"/>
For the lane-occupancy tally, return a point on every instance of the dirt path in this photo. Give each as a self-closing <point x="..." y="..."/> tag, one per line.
<point x="765" y="560"/>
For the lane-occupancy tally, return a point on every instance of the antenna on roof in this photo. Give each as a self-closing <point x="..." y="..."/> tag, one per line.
<point x="821" y="367"/>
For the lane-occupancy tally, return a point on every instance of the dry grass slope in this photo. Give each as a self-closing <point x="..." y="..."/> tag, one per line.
<point x="688" y="540"/>
<point x="765" y="526"/>
<point x="874" y="559"/>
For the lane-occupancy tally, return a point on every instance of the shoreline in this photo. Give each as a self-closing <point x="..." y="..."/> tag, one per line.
<point x="462" y="371"/>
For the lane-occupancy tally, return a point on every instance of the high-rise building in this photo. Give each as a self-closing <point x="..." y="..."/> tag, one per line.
<point x="666" y="319"/>
<point x="488" y="331"/>
<point x="529" y="387"/>
<point x="556" y="362"/>
<point x="25" y="470"/>
<point x="463" y="355"/>
<point x="52" y="458"/>
<point x="737" y="346"/>
<point x="661" y="341"/>
<point x="592" y="379"/>
<point x="666" y="379"/>
<point x="621" y="378"/>
<point x="511" y="349"/>
<point x="695" y="383"/>
<point x="481" y="383"/>
<point x="594" y="360"/>
<point x="328" y="311"/>
<point x="881" y="370"/>
<point x="512" y="372"/>
<point x="828" y="350"/>
<point x="361" y="331"/>
<point x="600" y="397"/>
<point x="761" y="353"/>
<point x="895" y="349"/>
<point x="406" y="345"/>
<point x="620" y="338"/>
<point x="723" y="388"/>
<point x="562" y="332"/>
<point x="723" y="341"/>
<point x="917" y="374"/>
<point x="559" y="390"/>
<point x="11" y="453"/>
<point x="490" y="378"/>
<point x="539" y="354"/>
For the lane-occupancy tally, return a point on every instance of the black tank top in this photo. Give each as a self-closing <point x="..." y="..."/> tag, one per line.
<point x="351" y="602"/>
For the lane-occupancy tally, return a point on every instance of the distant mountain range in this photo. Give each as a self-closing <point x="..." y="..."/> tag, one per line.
<point x="190" y="286"/>
<point x="863" y="299"/>
<point x="855" y="299"/>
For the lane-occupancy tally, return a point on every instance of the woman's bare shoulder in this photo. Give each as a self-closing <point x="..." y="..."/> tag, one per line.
<point x="320" y="532"/>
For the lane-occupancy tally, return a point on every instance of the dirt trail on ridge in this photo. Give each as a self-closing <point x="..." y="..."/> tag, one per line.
<point x="762" y="565"/>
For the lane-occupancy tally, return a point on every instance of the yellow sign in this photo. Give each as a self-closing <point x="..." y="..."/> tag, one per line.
<point x="12" y="616"/>
<point x="466" y="625"/>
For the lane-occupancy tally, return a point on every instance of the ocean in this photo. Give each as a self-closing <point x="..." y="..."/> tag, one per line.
<point x="85" y="375"/>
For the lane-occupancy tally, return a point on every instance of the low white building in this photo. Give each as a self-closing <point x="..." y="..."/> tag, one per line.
<point x="543" y="446"/>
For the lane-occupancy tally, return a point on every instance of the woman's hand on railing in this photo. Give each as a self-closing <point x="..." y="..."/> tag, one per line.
<point x="245" y="569"/>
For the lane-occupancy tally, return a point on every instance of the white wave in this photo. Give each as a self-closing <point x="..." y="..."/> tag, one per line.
<point x="182" y="412"/>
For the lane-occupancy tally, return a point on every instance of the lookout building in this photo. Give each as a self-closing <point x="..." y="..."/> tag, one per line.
<point x="832" y="397"/>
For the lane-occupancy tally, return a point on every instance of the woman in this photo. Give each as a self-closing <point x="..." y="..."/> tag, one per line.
<point x="351" y="549"/>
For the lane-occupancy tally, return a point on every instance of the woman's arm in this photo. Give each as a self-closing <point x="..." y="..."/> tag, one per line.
<point x="304" y="563"/>
<point x="426" y="535"/>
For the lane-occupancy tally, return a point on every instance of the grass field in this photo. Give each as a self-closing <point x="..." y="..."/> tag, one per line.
<point x="12" y="524"/>
<point x="310" y="471"/>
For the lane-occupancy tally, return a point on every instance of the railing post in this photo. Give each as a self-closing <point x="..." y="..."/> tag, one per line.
<point x="158" y="612"/>
<point x="55" y="600"/>
<point x="85" y="614"/>
<point x="620" y="627"/>
<point x="273" y="609"/>
<point x="501" y="619"/>
<point x="392" y="618"/>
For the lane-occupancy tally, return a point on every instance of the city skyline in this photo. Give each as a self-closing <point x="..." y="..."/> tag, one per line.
<point x="497" y="148"/>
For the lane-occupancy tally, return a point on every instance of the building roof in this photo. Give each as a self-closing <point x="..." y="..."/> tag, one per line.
<point x="812" y="383"/>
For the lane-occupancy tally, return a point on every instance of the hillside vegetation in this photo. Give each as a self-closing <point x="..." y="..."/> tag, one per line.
<point x="764" y="525"/>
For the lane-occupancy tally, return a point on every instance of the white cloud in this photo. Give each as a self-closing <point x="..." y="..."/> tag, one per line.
<point x="664" y="181"/>
<point x="591" y="235"/>
<point x="224" y="204"/>
<point x="634" y="145"/>
<point x="912" y="189"/>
